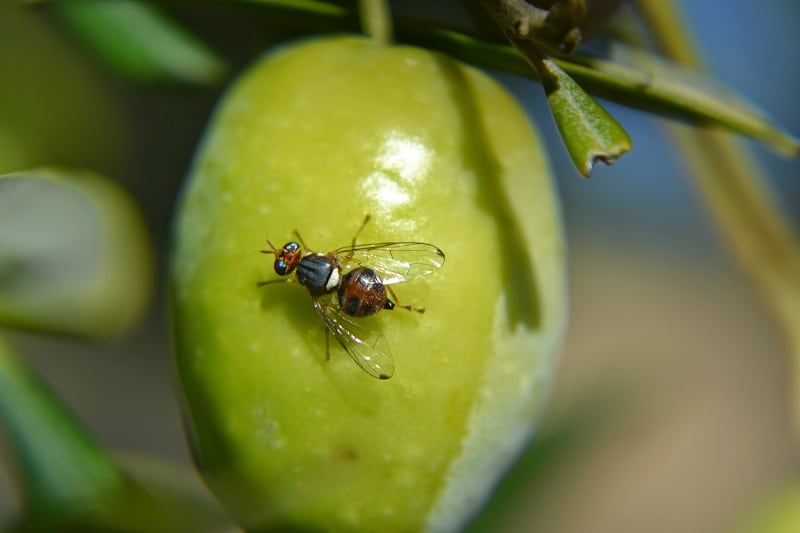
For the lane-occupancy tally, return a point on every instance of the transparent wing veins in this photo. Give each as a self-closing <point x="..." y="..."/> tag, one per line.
<point x="368" y="348"/>
<point x="395" y="262"/>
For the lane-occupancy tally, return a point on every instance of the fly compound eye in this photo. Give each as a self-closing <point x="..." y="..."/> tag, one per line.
<point x="291" y="247"/>
<point x="281" y="267"/>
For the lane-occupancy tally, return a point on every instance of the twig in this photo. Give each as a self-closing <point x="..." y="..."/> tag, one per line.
<point x="555" y="30"/>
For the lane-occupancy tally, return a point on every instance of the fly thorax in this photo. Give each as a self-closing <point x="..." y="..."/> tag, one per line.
<point x="319" y="273"/>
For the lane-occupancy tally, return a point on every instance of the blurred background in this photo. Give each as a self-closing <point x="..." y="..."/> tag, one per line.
<point x="674" y="375"/>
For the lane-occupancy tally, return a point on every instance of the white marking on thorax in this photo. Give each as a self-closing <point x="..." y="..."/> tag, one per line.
<point x="333" y="279"/>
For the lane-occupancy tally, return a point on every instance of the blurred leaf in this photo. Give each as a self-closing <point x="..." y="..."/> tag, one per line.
<point x="58" y="466"/>
<point x="54" y="107"/>
<point x="138" y="41"/>
<point x="74" y="254"/>
<point x="737" y="193"/>
<point x="66" y="481"/>
<point x="589" y="132"/>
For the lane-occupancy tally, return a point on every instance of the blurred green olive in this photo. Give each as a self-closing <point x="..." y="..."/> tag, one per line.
<point x="313" y="137"/>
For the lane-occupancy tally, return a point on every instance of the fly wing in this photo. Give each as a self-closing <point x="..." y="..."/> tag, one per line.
<point x="395" y="262"/>
<point x="368" y="348"/>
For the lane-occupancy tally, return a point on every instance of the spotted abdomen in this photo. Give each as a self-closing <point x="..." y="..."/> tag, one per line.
<point x="362" y="293"/>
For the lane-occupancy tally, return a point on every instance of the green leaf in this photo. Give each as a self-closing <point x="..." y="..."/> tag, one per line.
<point x="588" y="131"/>
<point x="658" y="90"/>
<point x="74" y="254"/>
<point x="67" y="481"/>
<point x="138" y="41"/>
<point x="647" y="81"/>
<point x="58" y="466"/>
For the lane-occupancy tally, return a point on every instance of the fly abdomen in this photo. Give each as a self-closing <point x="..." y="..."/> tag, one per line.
<point x="362" y="293"/>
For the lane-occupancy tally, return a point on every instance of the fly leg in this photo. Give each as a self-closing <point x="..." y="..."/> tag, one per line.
<point x="358" y="232"/>
<point x="349" y="256"/>
<point x="270" y="282"/>
<point x="327" y="345"/>
<point x="406" y="307"/>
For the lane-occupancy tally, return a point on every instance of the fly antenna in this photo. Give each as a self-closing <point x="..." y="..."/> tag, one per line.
<point x="271" y="251"/>
<point x="300" y="238"/>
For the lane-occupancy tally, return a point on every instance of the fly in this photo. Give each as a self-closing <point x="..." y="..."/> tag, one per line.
<point x="353" y="282"/>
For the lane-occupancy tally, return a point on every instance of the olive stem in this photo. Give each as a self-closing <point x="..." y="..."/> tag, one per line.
<point x="376" y="20"/>
<point x="554" y="30"/>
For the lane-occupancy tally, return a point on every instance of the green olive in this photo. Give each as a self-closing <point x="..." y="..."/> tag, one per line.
<point x="313" y="137"/>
